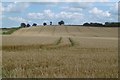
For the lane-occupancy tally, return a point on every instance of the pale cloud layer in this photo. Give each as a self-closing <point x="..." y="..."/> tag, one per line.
<point x="48" y="14"/>
<point x="18" y="19"/>
<point x="69" y="15"/>
<point x="15" y="7"/>
<point x="60" y="1"/>
<point x="71" y="8"/>
<point x="0" y="8"/>
<point x="0" y="13"/>
<point x="100" y="13"/>
<point x="74" y="13"/>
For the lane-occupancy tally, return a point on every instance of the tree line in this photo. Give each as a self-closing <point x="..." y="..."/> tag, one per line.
<point x="106" y="24"/>
<point x="44" y="24"/>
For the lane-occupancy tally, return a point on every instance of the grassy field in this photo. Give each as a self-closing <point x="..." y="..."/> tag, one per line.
<point x="61" y="52"/>
<point x="7" y="31"/>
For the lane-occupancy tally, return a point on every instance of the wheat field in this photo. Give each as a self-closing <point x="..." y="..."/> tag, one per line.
<point x="60" y="52"/>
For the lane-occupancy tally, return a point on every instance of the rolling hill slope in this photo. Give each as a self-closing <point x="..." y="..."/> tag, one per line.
<point x="68" y="31"/>
<point x="60" y="52"/>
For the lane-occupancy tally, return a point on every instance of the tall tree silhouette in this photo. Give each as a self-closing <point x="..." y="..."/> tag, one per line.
<point x="22" y="25"/>
<point x="44" y="24"/>
<point x="61" y="22"/>
<point x="34" y="24"/>
<point x="50" y="23"/>
<point x="28" y="25"/>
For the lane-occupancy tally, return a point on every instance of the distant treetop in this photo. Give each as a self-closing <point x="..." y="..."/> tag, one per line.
<point x="44" y="24"/>
<point x="34" y="24"/>
<point x="61" y="22"/>
<point x="106" y="24"/>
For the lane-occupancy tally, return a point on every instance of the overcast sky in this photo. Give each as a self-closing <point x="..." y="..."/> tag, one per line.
<point x="14" y="13"/>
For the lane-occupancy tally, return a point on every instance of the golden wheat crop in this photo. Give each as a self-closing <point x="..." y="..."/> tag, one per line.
<point x="61" y="52"/>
